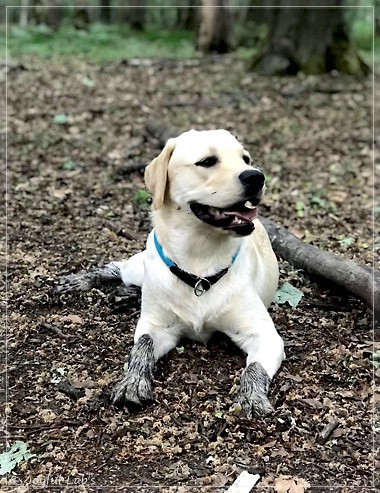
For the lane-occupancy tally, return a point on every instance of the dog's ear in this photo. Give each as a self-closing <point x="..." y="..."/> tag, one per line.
<point x="156" y="174"/>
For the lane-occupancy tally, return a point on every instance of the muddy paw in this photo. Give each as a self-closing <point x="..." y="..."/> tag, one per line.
<point x="125" y="298"/>
<point x="132" y="392"/>
<point x="74" y="282"/>
<point x="254" y="404"/>
<point x="252" y="396"/>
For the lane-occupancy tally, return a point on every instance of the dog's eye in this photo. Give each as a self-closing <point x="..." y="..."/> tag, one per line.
<point x="246" y="159"/>
<point x="207" y="162"/>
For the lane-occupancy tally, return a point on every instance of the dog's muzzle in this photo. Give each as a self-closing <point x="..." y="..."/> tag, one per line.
<point x="238" y="217"/>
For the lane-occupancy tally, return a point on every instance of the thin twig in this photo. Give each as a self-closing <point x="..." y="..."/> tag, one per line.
<point x="56" y="330"/>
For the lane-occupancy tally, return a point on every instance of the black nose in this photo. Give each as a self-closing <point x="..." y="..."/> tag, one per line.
<point x="253" y="180"/>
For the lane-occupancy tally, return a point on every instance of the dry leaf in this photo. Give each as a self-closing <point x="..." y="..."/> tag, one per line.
<point x="47" y="415"/>
<point x="338" y="196"/>
<point x="75" y="319"/>
<point x="314" y="403"/>
<point x="40" y="271"/>
<point x="115" y="154"/>
<point x="219" y="479"/>
<point x="287" y="484"/>
<point x="83" y="384"/>
<point x="61" y="193"/>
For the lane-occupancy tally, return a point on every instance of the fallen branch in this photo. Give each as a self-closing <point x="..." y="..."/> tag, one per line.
<point x="362" y="281"/>
<point x="324" y="435"/>
<point x="56" y="330"/>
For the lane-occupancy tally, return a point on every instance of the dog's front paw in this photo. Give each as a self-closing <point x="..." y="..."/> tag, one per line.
<point x="74" y="282"/>
<point x="132" y="392"/>
<point x="252" y="396"/>
<point x="254" y="404"/>
<point x="125" y="298"/>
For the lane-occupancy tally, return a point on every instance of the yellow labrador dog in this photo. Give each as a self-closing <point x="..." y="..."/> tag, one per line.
<point x="208" y="266"/>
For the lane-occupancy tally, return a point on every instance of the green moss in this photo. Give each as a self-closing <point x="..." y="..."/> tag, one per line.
<point x="314" y="65"/>
<point x="345" y="58"/>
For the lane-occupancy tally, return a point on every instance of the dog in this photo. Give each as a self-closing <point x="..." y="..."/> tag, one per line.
<point x="208" y="266"/>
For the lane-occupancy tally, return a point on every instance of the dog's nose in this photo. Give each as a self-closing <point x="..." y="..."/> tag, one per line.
<point x="253" y="180"/>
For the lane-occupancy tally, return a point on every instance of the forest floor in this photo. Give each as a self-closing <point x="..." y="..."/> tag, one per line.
<point x="74" y="131"/>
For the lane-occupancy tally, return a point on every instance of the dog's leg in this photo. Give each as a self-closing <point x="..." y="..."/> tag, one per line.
<point x="135" y="388"/>
<point x="254" y="386"/>
<point x="85" y="281"/>
<point x="265" y="353"/>
<point x="130" y="272"/>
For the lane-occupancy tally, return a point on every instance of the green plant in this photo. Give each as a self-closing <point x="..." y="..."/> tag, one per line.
<point x="142" y="199"/>
<point x="99" y="43"/>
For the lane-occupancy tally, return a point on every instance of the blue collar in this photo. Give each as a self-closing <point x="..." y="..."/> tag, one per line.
<point x="160" y="251"/>
<point x="200" y="284"/>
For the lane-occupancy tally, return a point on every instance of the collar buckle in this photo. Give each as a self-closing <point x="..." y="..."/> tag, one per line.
<point x="200" y="288"/>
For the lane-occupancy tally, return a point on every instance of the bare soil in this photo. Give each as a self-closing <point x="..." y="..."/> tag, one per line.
<point x="72" y="207"/>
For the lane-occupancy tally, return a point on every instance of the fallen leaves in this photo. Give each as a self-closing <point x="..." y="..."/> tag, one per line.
<point x="287" y="293"/>
<point x="60" y="193"/>
<point x="70" y="193"/>
<point x="74" y="319"/>
<point x="287" y="484"/>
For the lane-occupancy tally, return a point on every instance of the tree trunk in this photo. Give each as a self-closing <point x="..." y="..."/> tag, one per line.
<point x="24" y="13"/>
<point x="81" y="15"/>
<point x="264" y="12"/>
<point x="47" y="12"/>
<point x="105" y="11"/>
<point x="214" y="34"/>
<point x="310" y="40"/>
<point x="135" y="16"/>
<point x="187" y="14"/>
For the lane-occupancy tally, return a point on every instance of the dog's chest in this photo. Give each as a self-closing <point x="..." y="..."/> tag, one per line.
<point x="192" y="316"/>
<point x="198" y="314"/>
<point x="175" y="304"/>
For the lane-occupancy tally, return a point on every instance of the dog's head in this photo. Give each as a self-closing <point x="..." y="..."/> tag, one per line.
<point x="209" y="175"/>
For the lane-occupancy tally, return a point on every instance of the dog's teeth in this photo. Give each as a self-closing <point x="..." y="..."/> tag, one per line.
<point x="249" y="205"/>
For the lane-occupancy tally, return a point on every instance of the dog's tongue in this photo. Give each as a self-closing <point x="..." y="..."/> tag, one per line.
<point x="246" y="215"/>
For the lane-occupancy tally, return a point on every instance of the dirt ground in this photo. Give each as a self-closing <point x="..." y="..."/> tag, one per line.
<point x="74" y="130"/>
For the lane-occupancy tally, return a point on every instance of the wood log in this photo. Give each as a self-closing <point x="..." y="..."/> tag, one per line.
<point x="360" y="280"/>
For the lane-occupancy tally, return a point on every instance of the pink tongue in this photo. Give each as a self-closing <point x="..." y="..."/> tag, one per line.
<point x="247" y="215"/>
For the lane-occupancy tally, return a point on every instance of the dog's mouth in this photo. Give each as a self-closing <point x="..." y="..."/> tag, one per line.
<point x="238" y="217"/>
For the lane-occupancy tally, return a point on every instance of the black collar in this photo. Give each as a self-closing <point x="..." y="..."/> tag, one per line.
<point x="199" y="284"/>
